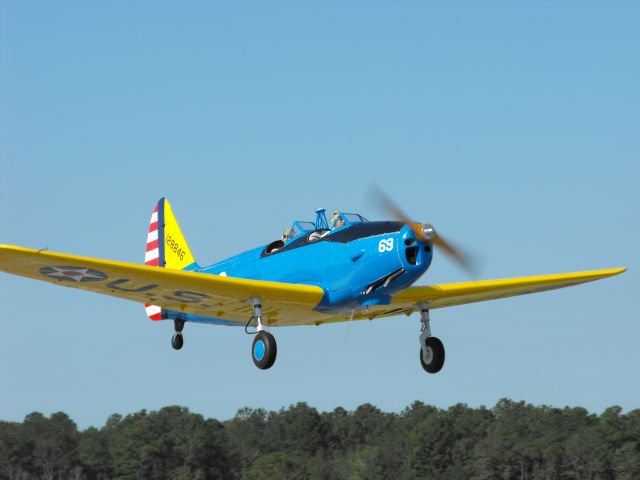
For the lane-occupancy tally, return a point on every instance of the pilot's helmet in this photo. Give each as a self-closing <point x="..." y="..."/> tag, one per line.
<point x="336" y="220"/>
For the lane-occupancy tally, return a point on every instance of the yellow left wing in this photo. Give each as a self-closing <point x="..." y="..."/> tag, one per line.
<point x="451" y="294"/>
<point x="182" y="291"/>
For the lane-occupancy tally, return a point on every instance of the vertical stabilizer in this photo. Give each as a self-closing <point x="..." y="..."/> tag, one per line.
<point x="166" y="247"/>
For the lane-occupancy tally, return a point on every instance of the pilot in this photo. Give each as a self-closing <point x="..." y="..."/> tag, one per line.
<point x="286" y="235"/>
<point x="336" y="221"/>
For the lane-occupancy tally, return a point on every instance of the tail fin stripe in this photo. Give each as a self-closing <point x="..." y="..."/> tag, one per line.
<point x="151" y="255"/>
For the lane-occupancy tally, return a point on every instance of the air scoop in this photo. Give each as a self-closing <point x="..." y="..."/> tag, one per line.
<point x="384" y="281"/>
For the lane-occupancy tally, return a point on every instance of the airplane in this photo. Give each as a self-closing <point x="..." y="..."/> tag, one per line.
<point x="319" y="272"/>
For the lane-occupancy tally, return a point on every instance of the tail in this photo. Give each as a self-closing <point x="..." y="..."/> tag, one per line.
<point x="166" y="247"/>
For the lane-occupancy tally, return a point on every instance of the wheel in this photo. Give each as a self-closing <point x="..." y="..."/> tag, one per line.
<point x="264" y="350"/>
<point x="432" y="355"/>
<point x="177" y="341"/>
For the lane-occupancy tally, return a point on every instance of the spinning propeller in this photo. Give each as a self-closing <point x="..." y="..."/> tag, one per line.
<point x="427" y="233"/>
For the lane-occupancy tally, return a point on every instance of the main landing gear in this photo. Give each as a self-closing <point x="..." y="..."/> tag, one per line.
<point x="431" y="348"/>
<point x="264" y="348"/>
<point x="177" y="341"/>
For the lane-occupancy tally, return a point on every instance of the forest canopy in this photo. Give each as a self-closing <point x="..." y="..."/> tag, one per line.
<point x="512" y="440"/>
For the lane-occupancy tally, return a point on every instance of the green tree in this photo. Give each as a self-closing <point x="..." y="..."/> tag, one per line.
<point x="15" y="452"/>
<point x="442" y="444"/>
<point x="299" y="428"/>
<point x="246" y="433"/>
<point x="93" y="454"/>
<point x="626" y="458"/>
<point x="275" y="466"/>
<point x="54" y="441"/>
<point x="503" y="453"/>
<point x="170" y="443"/>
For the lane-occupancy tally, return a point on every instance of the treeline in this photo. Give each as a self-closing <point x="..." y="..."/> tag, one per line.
<point x="512" y="441"/>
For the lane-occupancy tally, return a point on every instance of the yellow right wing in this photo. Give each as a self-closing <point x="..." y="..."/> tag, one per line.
<point x="211" y="296"/>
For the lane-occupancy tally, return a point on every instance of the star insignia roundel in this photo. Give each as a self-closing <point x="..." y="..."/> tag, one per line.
<point x="73" y="274"/>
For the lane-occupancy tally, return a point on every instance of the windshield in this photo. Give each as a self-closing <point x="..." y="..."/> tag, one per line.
<point x="342" y="220"/>
<point x="305" y="226"/>
<point x="354" y="218"/>
<point x="297" y="229"/>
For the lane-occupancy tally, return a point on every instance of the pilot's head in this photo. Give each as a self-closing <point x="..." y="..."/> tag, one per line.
<point x="336" y="220"/>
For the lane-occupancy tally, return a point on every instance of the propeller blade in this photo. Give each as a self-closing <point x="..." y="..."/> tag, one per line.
<point x="463" y="258"/>
<point x="384" y="203"/>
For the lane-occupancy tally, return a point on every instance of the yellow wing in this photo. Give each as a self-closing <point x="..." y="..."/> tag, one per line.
<point x="188" y="292"/>
<point x="450" y="294"/>
<point x="228" y="298"/>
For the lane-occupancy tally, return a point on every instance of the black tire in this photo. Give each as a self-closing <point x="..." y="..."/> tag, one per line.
<point x="177" y="341"/>
<point x="264" y="350"/>
<point x="434" y="353"/>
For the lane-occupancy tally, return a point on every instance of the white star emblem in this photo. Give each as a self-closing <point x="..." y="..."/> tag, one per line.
<point x="74" y="274"/>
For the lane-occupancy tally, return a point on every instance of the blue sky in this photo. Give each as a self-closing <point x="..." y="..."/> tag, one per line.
<point x="513" y="127"/>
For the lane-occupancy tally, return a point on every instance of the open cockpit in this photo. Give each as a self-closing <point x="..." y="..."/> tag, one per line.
<point x="304" y="232"/>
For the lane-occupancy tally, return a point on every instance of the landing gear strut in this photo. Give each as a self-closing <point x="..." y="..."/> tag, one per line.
<point x="431" y="348"/>
<point x="177" y="341"/>
<point x="264" y="348"/>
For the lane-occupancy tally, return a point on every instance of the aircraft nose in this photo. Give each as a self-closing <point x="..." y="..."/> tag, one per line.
<point x="414" y="253"/>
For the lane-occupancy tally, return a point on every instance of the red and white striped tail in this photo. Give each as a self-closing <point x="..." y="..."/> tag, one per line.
<point x="152" y="258"/>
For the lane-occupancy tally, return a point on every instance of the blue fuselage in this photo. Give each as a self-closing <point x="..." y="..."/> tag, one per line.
<point x="356" y="266"/>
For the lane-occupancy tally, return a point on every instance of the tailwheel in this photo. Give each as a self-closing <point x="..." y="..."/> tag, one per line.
<point x="177" y="341"/>
<point x="264" y="350"/>
<point x="432" y="355"/>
